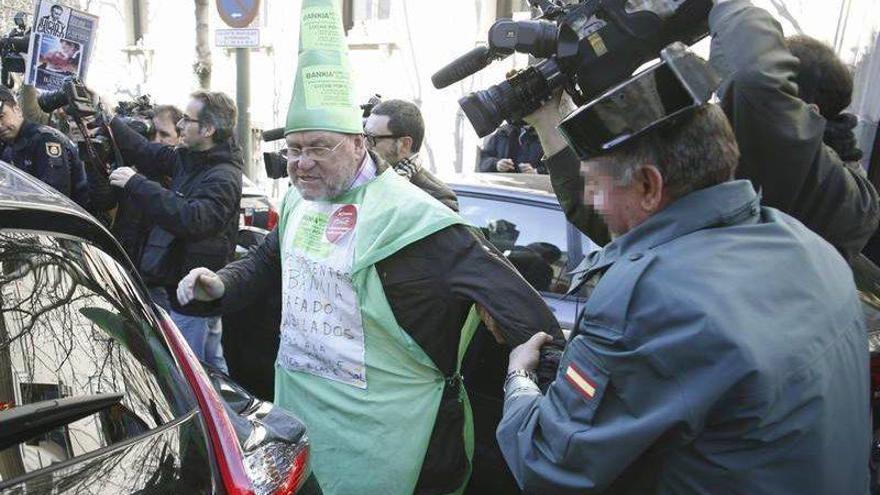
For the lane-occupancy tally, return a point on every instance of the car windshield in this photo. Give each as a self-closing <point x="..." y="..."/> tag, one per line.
<point x="76" y="337"/>
<point x="534" y="237"/>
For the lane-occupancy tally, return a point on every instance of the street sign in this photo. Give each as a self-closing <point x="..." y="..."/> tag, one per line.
<point x="238" y="13"/>
<point x="237" y="38"/>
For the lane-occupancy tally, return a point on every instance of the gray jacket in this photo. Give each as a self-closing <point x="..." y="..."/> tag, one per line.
<point x="723" y="351"/>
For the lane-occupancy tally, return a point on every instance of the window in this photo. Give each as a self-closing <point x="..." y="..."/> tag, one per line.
<point x="366" y="10"/>
<point x="72" y="325"/>
<point x="533" y="237"/>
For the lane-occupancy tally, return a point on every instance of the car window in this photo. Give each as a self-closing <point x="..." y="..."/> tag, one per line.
<point x="72" y="325"/>
<point x="532" y="236"/>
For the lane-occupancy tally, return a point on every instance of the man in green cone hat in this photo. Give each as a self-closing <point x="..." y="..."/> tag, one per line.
<point x="379" y="284"/>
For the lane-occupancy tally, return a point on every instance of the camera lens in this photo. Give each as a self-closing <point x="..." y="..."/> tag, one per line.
<point x="513" y="99"/>
<point x="52" y="100"/>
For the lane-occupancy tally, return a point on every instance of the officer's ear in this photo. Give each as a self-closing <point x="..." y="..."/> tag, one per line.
<point x="649" y="183"/>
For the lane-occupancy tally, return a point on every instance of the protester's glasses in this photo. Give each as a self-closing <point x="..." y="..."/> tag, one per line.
<point x="371" y="139"/>
<point x="310" y="152"/>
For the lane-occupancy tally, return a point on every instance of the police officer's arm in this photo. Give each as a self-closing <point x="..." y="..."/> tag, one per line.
<point x="151" y="159"/>
<point x="608" y="405"/>
<point x="249" y="278"/>
<point x="780" y="136"/>
<point x="194" y="217"/>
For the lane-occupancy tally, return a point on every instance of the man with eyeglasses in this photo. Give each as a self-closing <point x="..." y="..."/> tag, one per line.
<point x="379" y="285"/>
<point x="395" y="131"/>
<point x="194" y="221"/>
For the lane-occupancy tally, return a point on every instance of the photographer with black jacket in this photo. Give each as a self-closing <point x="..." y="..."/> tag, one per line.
<point x="195" y="221"/>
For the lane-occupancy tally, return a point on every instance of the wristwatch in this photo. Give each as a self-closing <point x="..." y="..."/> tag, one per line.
<point x="512" y="375"/>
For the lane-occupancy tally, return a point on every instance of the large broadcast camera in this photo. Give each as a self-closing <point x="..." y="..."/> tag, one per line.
<point x="587" y="47"/>
<point x="11" y="48"/>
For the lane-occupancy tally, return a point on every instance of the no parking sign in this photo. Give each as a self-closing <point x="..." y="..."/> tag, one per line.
<point x="238" y="13"/>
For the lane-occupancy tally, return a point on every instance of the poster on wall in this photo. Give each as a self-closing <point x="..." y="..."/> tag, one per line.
<point x="61" y="44"/>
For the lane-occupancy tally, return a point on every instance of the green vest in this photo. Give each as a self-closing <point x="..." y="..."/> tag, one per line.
<point x="367" y="392"/>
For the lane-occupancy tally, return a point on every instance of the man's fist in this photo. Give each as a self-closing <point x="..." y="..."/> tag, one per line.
<point x="200" y="284"/>
<point x="505" y="165"/>
<point x="121" y="176"/>
<point x="527" y="168"/>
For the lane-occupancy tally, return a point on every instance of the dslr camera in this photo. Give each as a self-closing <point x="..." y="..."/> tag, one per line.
<point x="585" y="47"/>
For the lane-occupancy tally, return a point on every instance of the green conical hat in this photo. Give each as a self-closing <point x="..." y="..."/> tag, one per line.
<point x="322" y="92"/>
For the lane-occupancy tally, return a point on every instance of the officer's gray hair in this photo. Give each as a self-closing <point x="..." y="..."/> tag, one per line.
<point x="698" y="152"/>
<point x="218" y="110"/>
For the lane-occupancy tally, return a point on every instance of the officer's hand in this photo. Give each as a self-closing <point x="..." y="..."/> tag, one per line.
<point x="505" y="165"/>
<point x="200" y="284"/>
<point x="121" y="176"/>
<point x="526" y="356"/>
<point x="547" y="118"/>
<point x="527" y="168"/>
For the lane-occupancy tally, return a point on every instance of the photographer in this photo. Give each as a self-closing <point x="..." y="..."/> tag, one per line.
<point x="41" y="151"/>
<point x="680" y="377"/>
<point x="513" y="148"/>
<point x="779" y="134"/>
<point x="159" y="125"/>
<point x="165" y="119"/>
<point x="195" y="222"/>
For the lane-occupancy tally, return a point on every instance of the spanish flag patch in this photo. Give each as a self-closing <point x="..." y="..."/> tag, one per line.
<point x="578" y="379"/>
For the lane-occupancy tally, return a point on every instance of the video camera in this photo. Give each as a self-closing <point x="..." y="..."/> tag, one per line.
<point x="11" y="48"/>
<point x="138" y="114"/>
<point x="587" y="47"/>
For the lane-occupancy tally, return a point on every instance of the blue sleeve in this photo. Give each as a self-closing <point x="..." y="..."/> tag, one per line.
<point x="606" y="407"/>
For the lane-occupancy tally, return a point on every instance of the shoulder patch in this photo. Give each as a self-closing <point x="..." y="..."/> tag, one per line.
<point x="53" y="149"/>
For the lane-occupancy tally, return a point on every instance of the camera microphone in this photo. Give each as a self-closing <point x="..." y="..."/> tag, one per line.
<point x="468" y="64"/>
<point x="273" y="134"/>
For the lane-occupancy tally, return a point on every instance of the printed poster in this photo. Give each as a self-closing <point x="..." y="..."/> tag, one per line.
<point x="61" y="44"/>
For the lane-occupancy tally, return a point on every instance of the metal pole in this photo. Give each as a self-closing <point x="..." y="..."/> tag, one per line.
<point x="243" y="102"/>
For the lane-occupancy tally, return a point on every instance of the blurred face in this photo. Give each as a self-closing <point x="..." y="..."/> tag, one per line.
<point x="327" y="164"/>
<point x="11" y="121"/>
<point x="166" y="131"/>
<point x="56" y="12"/>
<point x="380" y="140"/>
<point x="194" y="134"/>
<point x="614" y="199"/>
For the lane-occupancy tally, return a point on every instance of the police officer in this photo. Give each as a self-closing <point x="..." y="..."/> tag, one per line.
<point x="41" y="151"/>
<point x="723" y="348"/>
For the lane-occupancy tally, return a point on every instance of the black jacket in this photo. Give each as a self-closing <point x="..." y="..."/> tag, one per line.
<point x="430" y="285"/>
<point x="195" y="221"/>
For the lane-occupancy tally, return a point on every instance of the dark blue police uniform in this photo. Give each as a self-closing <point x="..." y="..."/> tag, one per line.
<point x="50" y="156"/>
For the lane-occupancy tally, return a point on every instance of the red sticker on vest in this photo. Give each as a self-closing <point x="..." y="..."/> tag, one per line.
<point x="342" y="221"/>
